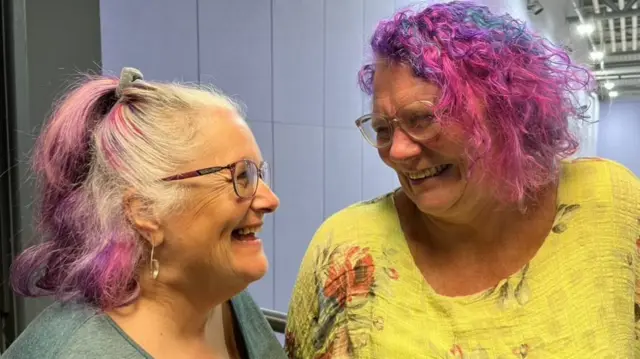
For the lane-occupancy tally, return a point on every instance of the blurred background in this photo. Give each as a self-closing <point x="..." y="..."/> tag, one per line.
<point x="293" y="64"/>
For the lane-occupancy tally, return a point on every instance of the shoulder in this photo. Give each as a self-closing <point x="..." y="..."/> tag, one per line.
<point x="603" y="181"/>
<point x="244" y="306"/>
<point x="608" y="196"/>
<point x="50" y="331"/>
<point x="356" y="239"/>
<point x="69" y="331"/>
<point x="359" y="222"/>
<point x="258" y="336"/>
<point x="598" y="170"/>
<point x="339" y="271"/>
<point x="358" y="234"/>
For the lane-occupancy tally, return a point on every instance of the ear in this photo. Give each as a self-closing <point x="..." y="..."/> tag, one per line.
<point x="140" y="216"/>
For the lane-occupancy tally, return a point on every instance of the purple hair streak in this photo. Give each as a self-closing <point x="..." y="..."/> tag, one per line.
<point x="80" y="258"/>
<point x="509" y="89"/>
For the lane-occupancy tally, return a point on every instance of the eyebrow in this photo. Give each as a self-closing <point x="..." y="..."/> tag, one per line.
<point x="376" y="109"/>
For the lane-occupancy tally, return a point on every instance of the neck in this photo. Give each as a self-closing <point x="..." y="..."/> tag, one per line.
<point x="172" y="314"/>
<point x="179" y="318"/>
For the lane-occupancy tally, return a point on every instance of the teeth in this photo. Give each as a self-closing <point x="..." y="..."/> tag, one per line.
<point x="249" y="230"/>
<point x="429" y="172"/>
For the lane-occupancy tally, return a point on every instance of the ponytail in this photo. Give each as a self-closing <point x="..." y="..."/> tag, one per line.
<point x="62" y="161"/>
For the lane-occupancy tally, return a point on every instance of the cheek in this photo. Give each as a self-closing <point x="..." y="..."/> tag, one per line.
<point x="205" y="235"/>
<point x="450" y="143"/>
<point x="207" y="220"/>
<point x="216" y="222"/>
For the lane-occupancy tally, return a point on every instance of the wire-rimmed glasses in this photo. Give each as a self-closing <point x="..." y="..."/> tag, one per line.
<point x="246" y="176"/>
<point x="415" y="119"/>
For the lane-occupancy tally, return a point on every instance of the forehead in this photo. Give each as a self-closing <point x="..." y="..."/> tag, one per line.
<point x="395" y="86"/>
<point x="224" y="137"/>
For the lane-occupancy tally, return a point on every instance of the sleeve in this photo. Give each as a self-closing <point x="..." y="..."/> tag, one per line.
<point x="626" y="192"/>
<point x="302" y="318"/>
<point x="330" y="294"/>
<point x="258" y="336"/>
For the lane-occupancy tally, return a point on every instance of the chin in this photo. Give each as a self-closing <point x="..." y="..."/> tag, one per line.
<point x="251" y="269"/>
<point x="435" y="204"/>
<point x="434" y="198"/>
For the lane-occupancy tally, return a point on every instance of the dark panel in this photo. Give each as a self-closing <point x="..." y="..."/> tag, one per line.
<point x="46" y="53"/>
<point x="7" y="185"/>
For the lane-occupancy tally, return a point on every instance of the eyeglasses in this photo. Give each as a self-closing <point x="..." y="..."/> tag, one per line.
<point x="415" y="119"/>
<point x="246" y="176"/>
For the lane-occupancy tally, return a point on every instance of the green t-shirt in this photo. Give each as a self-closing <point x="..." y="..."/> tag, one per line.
<point x="79" y="331"/>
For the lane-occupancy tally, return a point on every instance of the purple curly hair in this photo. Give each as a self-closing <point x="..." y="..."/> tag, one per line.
<point x="523" y="82"/>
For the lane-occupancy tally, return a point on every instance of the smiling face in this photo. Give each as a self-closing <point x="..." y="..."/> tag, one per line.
<point x="432" y="172"/>
<point x="213" y="243"/>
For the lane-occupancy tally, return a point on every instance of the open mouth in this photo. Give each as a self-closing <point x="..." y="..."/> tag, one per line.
<point x="431" y="172"/>
<point x="246" y="234"/>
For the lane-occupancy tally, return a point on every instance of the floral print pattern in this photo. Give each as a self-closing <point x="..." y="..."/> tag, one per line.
<point x="563" y="215"/>
<point x="352" y="279"/>
<point x="347" y="280"/>
<point x="521" y="294"/>
<point x="350" y="292"/>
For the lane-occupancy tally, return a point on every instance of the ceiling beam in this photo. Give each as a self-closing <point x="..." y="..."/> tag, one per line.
<point x="610" y="5"/>
<point x="616" y="72"/>
<point x="592" y="17"/>
<point x="621" y="64"/>
<point x="627" y="88"/>
<point x="630" y="76"/>
<point x="606" y="48"/>
<point x="629" y="4"/>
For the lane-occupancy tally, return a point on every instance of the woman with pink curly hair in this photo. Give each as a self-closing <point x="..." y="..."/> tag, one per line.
<point x="495" y="245"/>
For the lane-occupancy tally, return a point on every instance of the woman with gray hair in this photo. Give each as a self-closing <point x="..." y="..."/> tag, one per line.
<point x="151" y="198"/>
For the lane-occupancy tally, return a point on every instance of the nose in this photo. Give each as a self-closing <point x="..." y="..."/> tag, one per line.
<point x="265" y="200"/>
<point x="403" y="146"/>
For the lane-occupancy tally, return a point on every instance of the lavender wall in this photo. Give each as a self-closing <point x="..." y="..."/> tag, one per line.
<point x="293" y="63"/>
<point x="619" y="133"/>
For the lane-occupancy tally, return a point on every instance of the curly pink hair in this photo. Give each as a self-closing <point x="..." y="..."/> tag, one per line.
<point x="525" y="83"/>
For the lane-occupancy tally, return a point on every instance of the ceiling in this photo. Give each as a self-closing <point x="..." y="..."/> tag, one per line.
<point x="616" y="35"/>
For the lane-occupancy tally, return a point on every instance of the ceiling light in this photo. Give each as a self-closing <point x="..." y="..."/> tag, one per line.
<point x="609" y="85"/>
<point x="596" y="55"/>
<point x="585" y="29"/>
<point x="613" y="94"/>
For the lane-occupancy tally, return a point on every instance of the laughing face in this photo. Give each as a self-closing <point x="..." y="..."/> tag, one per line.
<point x="214" y="241"/>
<point x="429" y="161"/>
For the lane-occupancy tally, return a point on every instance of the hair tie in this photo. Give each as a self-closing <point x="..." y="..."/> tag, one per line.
<point x="128" y="76"/>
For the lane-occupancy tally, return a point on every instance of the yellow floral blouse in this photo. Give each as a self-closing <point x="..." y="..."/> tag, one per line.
<point x="360" y="295"/>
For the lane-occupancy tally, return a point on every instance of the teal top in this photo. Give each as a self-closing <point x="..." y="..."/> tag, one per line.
<point x="79" y="331"/>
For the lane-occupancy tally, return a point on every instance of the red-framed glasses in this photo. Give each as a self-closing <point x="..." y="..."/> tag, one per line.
<point x="246" y="176"/>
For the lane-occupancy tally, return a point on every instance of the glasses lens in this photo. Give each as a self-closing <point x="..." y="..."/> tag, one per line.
<point x="376" y="130"/>
<point x="265" y="174"/>
<point x="245" y="179"/>
<point x="418" y="121"/>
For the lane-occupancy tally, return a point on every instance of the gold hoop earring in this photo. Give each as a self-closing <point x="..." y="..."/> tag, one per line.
<point x="154" y="265"/>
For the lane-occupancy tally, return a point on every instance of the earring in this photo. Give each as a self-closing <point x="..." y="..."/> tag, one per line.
<point x="154" y="265"/>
